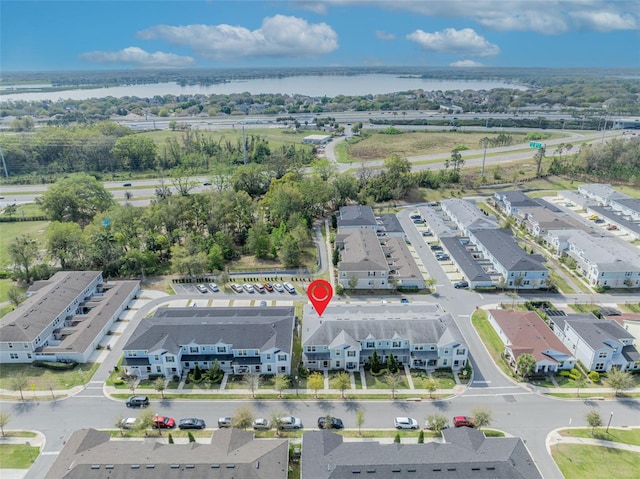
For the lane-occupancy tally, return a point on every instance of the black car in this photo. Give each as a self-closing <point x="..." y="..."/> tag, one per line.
<point x="334" y="423"/>
<point x="461" y="284"/>
<point x="436" y="247"/>
<point x="137" y="401"/>
<point x="191" y="423"/>
<point x="127" y="184"/>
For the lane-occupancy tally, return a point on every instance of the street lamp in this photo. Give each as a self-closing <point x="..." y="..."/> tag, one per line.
<point x="609" y="424"/>
<point x="296" y="380"/>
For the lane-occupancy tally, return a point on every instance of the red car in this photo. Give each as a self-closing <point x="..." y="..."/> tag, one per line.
<point x="612" y="227"/>
<point x="268" y="287"/>
<point x="463" y="421"/>
<point x="163" y="422"/>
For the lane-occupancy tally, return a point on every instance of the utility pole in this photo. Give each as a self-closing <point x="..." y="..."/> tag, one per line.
<point x="4" y="164"/>
<point x="244" y="147"/>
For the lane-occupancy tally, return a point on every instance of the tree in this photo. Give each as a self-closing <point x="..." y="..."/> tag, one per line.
<point x="276" y="421"/>
<point x="66" y="243"/>
<point x="280" y="382"/>
<point x="243" y="417"/>
<point x="316" y="382"/>
<point x="594" y="419"/>
<point x="437" y="422"/>
<point x="394" y="381"/>
<point x="18" y="383"/>
<point x="525" y="365"/>
<point x="482" y="417"/>
<point x="431" y="385"/>
<point x="23" y="252"/>
<point x="518" y="281"/>
<point x="132" y="383"/>
<point x="539" y="156"/>
<point x="135" y="152"/>
<point x="431" y="283"/>
<point x="15" y="295"/>
<point x="359" y="420"/>
<point x="392" y="365"/>
<point x="197" y="373"/>
<point x="396" y="439"/>
<point x="374" y="362"/>
<point x="580" y="382"/>
<point x="4" y="420"/>
<point x="421" y="437"/>
<point x="252" y="381"/>
<point x="190" y="437"/>
<point x="342" y="382"/>
<point x="353" y="281"/>
<point x="619" y="380"/>
<point x="145" y="420"/>
<point x="76" y="198"/>
<point x="159" y="385"/>
<point x="170" y="439"/>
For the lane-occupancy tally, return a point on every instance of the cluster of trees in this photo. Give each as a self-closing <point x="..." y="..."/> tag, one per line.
<point x="615" y="160"/>
<point x="106" y="147"/>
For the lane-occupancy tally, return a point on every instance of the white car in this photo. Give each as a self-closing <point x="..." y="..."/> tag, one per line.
<point x="236" y="287"/>
<point x="214" y="287"/>
<point x="129" y="423"/>
<point x="405" y="423"/>
<point x="261" y="424"/>
<point x="278" y="287"/>
<point x="290" y="422"/>
<point x="248" y="288"/>
<point x="289" y="287"/>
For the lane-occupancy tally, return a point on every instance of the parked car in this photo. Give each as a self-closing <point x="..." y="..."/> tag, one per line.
<point x="259" y="288"/>
<point x="268" y="287"/>
<point x="129" y="423"/>
<point x="191" y="423"/>
<point x="442" y="257"/>
<point x="416" y="217"/>
<point x="418" y="221"/>
<point x="463" y="421"/>
<point x="612" y="227"/>
<point x="137" y="401"/>
<point x="163" y="422"/>
<point x="236" y="287"/>
<point x="127" y="184"/>
<point x="461" y="284"/>
<point x="427" y="233"/>
<point x="202" y="288"/>
<point x="436" y="247"/>
<point x="225" y="421"/>
<point x="214" y="287"/>
<point x="599" y="221"/>
<point x="261" y="424"/>
<point x="289" y="288"/>
<point x="278" y="287"/>
<point x="405" y="423"/>
<point x="404" y="300"/>
<point x="334" y="423"/>
<point x="593" y="217"/>
<point x="290" y="422"/>
<point x="206" y="184"/>
<point x="248" y="288"/>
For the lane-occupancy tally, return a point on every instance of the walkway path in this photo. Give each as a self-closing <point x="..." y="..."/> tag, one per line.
<point x="554" y="438"/>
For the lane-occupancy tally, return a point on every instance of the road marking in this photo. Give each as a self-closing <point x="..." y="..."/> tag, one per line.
<point x="496" y="395"/>
<point x="50" y="453"/>
<point x="494" y="387"/>
<point x="93" y="387"/>
<point x="96" y="382"/>
<point x="481" y="297"/>
<point x="481" y="382"/>
<point x="463" y="315"/>
<point x="89" y="396"/>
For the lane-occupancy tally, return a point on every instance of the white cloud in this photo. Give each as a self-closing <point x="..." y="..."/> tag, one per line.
<point x="465" y="63"/>
<point x="279" y="36"/>
<point x="542" y="16"/>
<point x="138" y="57"/>
<point x="315" y="7"/>
<point x="380" y="35"/>
<point x="460" y="42"/>
<point x="605" y="21"/>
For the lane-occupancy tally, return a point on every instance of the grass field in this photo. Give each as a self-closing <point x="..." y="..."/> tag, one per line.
<point x="578" y="462"/>
<point x="626" y="436"/>
<point x="10" y="231"/>
<point x="490" y="338"/>
<point x="44" y="379"/>
<point x="17" y="456"/>
<point x="5" y="284"/>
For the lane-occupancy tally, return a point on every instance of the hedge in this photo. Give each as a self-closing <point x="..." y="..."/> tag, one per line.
<point x="55" y="366"/>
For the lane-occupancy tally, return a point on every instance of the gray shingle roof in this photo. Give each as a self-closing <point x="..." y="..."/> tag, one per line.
<point x="503" y="246"/>
<point x="469" y="266"/>
<point x="244" y="328"/>
<point x="356" y="215"/>
<point x="595" y="332"/>
<point x="362" y="252"/>
<point x="232" y="454"/>
<point x="466" y="454"/>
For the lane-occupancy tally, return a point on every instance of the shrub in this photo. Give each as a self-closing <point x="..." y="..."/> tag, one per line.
<point x="564" y="374"/>
<point x="118" y="382"/>
<point x="55" y="366"/>
<point x="575" y="372"/>
<point x="594" y="376"/>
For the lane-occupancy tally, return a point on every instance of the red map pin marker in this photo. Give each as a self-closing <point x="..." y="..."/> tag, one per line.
<point x="320" y="293"/>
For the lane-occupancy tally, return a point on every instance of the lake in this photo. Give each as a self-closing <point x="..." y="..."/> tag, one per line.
<point x="312" y="85"/>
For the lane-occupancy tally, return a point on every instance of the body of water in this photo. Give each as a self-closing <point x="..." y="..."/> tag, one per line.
<point x="314" y="86"/>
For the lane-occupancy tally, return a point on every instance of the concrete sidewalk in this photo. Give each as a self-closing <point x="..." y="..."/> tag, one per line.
<point x="554" y="438"/>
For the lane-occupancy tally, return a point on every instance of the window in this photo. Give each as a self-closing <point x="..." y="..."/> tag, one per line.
<point x="193" y="349"/>
<point x="460" y="351"/>
<point x="444" y="362"/>
<point x="13" y="356"/>
<point x="222" y="349"/>
<point x="396" y="344"/>
<point x="11" y="345"/>
<point x="269" y="357"/>
<point x="169" y="359"/>
<point x="371" y="344"/>
<point x="282" y="357"/>
<point x="602" y="355"/>
<point x="337" y="353"/>
<point x="372" y="273"/>
<point x="311" y="349"/>
<point x="351" y="354"/>
<point x="446" y="351"/>
<point x="337" y="364"/>
<point x="156" y="358"/>
<point x="599" y="366"/>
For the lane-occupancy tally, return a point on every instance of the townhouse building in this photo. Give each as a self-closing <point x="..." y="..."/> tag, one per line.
<point x="345" y="337"/>
<point x="600" y="344"/>
<point x="241" y="339"/>
<point x="64" y="318"/>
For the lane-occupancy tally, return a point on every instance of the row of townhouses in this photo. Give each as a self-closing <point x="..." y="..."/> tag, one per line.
<point x="64" y="318"/>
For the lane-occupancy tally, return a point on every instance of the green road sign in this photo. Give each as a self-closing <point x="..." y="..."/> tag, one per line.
<point x="536" y="144"/>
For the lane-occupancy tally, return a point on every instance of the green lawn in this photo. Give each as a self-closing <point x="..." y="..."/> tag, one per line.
<point x="44" y="379"/>
<point x="379" y="382"/>
<point x="17" y="456"/>
<point x="490" y="339"/>
<point x="5" y="285"/>
<point x="631" y="307"/>
<point x="626" y="436"/>
<point x="578" y="462"/>
<point x="10" y="231"/>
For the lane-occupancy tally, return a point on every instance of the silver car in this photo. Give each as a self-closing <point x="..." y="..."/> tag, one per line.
<point x="405" y="423"/>
<point x="290" y="422"/>
<point x="261" y="424"/>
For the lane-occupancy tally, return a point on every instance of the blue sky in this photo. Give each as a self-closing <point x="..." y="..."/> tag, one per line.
<point x="124" y="34"/>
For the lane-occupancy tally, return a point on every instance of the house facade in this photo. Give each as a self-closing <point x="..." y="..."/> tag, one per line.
<point x="524" y="332"/>
<point x="241" y="340"/>
<point x="345" y="337"/>
<point x="599" y="344"/>
<point x="64" y="318"/>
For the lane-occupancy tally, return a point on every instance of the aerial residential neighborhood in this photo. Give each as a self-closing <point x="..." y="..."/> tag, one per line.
<point x="320" y="239"/>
